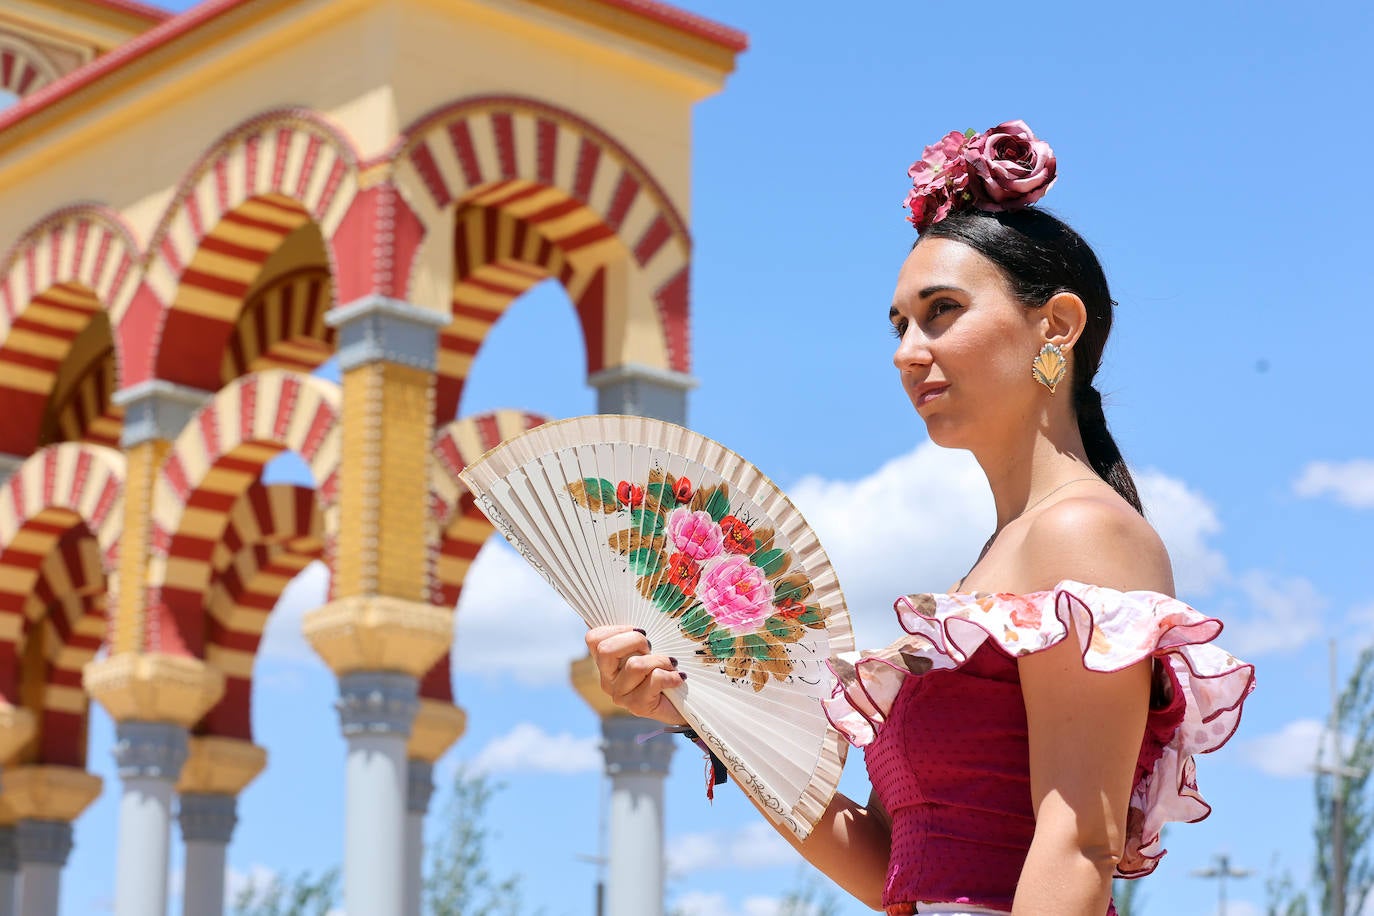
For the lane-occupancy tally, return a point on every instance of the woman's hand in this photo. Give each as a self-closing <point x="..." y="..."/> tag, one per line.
<point x="632" y="677"/>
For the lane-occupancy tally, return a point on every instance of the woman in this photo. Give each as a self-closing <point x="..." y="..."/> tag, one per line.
<point x="1050" y="729"/>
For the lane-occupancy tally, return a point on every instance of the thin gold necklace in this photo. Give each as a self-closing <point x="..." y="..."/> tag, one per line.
<point x="988" y="546"/>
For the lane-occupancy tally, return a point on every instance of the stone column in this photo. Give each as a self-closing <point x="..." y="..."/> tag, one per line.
<point x="643" y="391"/>
<point x="9" y="867"/>
<point x="45" y="800"/>
<point x="379" y="634"/>
<point x="154" y="698"/>
<point x="437" y="726"/>
<point x="634" y="870"/>
<point x="217" y="769"/>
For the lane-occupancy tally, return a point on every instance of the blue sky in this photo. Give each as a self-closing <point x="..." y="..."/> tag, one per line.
<point x="1210" y="152"/>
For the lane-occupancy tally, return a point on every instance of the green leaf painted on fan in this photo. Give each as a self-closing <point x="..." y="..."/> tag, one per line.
<point x="782" y="628"/>
<point x="755" y="646"/>
<point x="668" y="597"/>
<point x="696" y="622"/>
<point x="594" y="493"/>
<point x="645" y="562"/>
<point x="789" y="588"/>
<point x="718" y="506"/>
<point x="722" y="643"/>
<point x="811" y="615"/>
<point x="660" y="494"/>
<point x="770" y="561"/>
<point x="646" y="522"/>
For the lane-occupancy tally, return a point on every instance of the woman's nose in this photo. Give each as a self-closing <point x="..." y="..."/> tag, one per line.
<point x="912" y="350"/>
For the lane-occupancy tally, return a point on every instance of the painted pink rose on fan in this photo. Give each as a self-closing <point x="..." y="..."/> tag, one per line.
<point x="1012" y="167"/>
<point x="737" y="595"/>
<point x="695" y="534"/>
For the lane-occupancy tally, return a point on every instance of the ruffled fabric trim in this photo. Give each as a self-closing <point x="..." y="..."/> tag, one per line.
<point x="1115" y="630"/>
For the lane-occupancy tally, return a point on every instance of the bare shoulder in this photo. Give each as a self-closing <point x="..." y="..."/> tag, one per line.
<point x="1100" y="540"/>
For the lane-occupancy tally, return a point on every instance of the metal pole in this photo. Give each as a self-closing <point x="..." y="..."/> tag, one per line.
<point x="1337" y="801"/>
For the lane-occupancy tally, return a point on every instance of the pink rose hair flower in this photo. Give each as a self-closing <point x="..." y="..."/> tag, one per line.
<point x="737" y="595"/>
<point x="695" y="533"/>
<point x="1004" y="168"/>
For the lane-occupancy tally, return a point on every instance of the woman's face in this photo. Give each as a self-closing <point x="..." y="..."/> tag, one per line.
<point x="965" y="345"/>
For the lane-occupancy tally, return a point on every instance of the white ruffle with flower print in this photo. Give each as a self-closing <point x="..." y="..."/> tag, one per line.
<point x="1115" y="630"/>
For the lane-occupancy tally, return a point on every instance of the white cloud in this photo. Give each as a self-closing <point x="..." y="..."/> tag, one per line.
<point x="1279" y="614"/>
<point x="527" y="748"/>
<point x="510" y="623"/>
<point x="1290" y="751"/>
<point x="255" y="882"/>
<point x="1350" y="483"/>
<point x="1239" y="908"/>
<point x="914" y="524"/>
<point x="705" y="903"/>
<point x="750" y="846"/>
<point x="282" y="638"/>
<point x="1185" y="521"/>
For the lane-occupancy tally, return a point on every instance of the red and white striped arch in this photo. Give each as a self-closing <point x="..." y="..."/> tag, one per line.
<point x="259" y="183"/>
<point x="217" y="457"/>
<point x="67" y="613"/>
<point x="61" y="272"/>
<point x="282" y="326"/>
<point x="63" y="493"/>
<point x="272" y="534"/>
<point x="457" y="529"/>
<point x="570" y="191"/>
<point x="23" y="67"/>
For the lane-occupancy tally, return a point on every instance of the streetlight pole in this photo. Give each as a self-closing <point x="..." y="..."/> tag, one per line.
<point x="1339" y="772"/>
<point x="1221" y="871"/>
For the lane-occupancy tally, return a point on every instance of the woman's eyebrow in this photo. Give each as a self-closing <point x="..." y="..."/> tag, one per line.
<point x="932" y="290"/>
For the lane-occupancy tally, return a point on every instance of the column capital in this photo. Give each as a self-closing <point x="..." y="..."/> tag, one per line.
<point x="157" y="409"/>
<point x="586" y="680"/>
<point x="643" y="391"/>
<point x="379" y="633"/>
<point x="376" y="702"/>
<point x="43" y="842"/>
<point x="419" y="785"/>
<point x="437" y="725"/>
<point x="625" y="755"/>
<point x="156" y="750"/>
<point x="48" y="793"/>
<point x="216" y="765"/>
<point x="9" y="464"/>
<point x="154" y="687"/>
<point x="207" y="817"/>
<point x="16" y="728"/>
<point x="378" y="328"/>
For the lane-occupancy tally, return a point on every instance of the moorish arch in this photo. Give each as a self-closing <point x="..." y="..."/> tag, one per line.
<point x="260" y="183"/>
<point x="273" y="532"/>
<point x="530" y="190"/>
<point x="457" y="529"/>
<point x="216" y="459"/>
<point x="24" y="69"/>
<point x="282" y="326"/>
<point x="63" y="289"/>
<point x="60" y="522"/>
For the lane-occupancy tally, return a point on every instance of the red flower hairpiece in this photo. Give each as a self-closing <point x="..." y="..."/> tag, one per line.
<point x="1003" y="168"/>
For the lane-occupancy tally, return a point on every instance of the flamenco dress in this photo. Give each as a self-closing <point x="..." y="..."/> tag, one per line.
<point x="940" y="716"/>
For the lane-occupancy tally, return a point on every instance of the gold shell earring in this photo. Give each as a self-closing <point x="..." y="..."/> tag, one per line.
<point x="1049" y="367"/>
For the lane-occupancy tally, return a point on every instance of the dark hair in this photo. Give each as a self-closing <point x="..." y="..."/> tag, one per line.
<point x="1041" y="256"/>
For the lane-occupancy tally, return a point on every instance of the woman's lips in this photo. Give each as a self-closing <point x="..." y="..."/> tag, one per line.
<point x="926" y="394"/>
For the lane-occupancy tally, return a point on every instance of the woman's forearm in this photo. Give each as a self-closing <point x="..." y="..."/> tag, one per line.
<point x="1064" y="881"/>
<point x="849" y="844"/>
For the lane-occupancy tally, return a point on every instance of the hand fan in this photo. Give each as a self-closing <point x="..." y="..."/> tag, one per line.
<point x="640" y="522"/>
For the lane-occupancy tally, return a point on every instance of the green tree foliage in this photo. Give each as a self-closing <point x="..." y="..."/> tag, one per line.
<point x="303" y="895"/>
<point x="459" y="882"/>
<point x="812" y="895"/>
<point x="1282" y="897"/>
<point x="1128" y="898"/>
<point x="1355" y="722"/>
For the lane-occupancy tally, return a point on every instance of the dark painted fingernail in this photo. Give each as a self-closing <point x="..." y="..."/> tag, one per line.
<point x="672" y="661"/>
<point x="640" y="632"/>
<point x="682" y="674"/>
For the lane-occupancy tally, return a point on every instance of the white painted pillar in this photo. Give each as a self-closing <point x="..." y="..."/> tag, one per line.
<point x="635" y="860"/>
<point x="207" y="824"/>
<point x="419" y="790"/>
<point x="9" y="868"/>
<point x="150" y="756"/>
<point x="42" y="847"/>
<point x="376" y="709"/>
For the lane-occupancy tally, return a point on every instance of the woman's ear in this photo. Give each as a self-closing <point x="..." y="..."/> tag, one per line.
<point x="1063" y="318"/>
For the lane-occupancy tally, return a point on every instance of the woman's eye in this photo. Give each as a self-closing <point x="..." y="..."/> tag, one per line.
<point x="940" y="306"/>
<point x="899" y="329"/>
